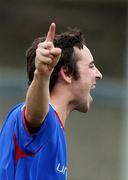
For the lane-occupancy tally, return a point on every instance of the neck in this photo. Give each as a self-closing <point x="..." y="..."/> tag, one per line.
<point x="62" y="106"/>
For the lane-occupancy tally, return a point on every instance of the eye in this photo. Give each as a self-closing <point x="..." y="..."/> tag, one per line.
<point x="92" y="65"/>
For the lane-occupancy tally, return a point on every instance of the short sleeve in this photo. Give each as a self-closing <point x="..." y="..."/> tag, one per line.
<point x="33" y="143"/>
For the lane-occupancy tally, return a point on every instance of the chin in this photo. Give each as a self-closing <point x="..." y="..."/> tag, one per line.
<point x="83" y="105"/>
<point x="84" y="108"/>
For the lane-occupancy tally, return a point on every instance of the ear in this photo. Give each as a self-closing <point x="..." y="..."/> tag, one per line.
<point x="65" y="76"/>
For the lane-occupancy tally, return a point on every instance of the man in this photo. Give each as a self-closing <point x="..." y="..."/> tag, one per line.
<point x="61" y="73"/>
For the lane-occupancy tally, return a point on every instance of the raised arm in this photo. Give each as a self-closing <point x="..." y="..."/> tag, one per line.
<point x="37" y="98"/>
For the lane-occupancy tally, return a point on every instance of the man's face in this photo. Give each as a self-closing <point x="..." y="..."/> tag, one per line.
<point x="89" y="74"/>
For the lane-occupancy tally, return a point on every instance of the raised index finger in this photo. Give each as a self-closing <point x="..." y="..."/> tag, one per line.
<point x="51" y="33"/>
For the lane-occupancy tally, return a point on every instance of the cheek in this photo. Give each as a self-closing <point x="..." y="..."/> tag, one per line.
<point x="82" y="85"/>
<point x="84" y="88"/>
<point x="89" y="81"/>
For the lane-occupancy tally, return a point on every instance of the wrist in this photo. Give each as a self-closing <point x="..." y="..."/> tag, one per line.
<point x="41" y="76"/>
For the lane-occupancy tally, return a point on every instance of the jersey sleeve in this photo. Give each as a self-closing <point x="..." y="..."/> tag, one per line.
<point x="32" y="143"/>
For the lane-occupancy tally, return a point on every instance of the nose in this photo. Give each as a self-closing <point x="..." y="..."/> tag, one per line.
<point x="98" y="75"/>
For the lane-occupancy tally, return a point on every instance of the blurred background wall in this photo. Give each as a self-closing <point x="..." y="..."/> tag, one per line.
<point x="97" y="141"/>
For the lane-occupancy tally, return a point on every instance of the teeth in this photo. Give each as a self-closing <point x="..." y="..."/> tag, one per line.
<point x="93" y="87"/>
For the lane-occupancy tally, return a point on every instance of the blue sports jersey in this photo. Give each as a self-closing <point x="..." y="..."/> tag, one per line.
<point x="38" y="156"/>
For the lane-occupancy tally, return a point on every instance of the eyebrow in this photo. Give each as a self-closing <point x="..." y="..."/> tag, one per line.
<point x="92" y="62"/>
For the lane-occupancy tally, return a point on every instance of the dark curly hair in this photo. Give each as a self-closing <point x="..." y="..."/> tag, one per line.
<point x="66" y="41"/>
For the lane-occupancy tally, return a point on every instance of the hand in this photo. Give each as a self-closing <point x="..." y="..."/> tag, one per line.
<point x="47" y="55"/>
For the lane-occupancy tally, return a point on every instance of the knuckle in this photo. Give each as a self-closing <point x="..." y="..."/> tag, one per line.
<point x="37" y="51"/>
<point x="39" y="45"/>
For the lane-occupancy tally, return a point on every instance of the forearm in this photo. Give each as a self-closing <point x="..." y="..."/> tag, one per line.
<point x="37" y="100"/>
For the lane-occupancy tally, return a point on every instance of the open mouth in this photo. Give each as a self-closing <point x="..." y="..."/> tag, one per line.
<point x="93" y="86"/>
<point x="92" y="89"/>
